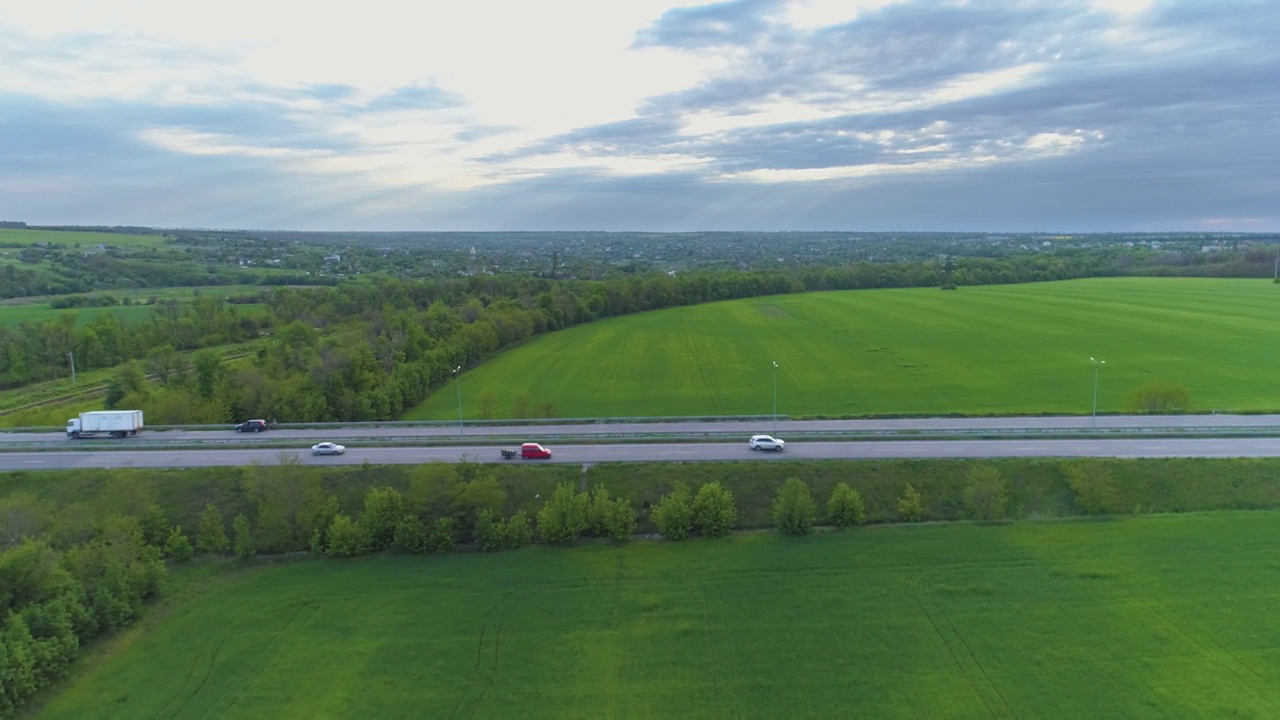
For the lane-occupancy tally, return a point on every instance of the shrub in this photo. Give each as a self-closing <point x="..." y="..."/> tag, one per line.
<point x="1158" y="397"/>
<point x="383" y="510"/>
<point x="714" y="513"/>
<point x="845" y="508"/>
<point x="489" y="531"/>
<point x="155" y="526"/>
<point x="211" y="536"/>
<point x="597" y="511"/>
<point x="411" y="535"/>
<point x="564" y="517"/>
<point x="177" y="546"/>
<point x="620" y="520"/>
<point x="346" y="538"/>
<point x="442" y="538"/>
<point x="986" y="494"/>
<point x="244" y="537"/>
<point x="1093" y="485"/>
<point x="911" y="505"/>
<point x="518" y="532"/>
<point x="793" y="509"/>
<point x="674" y="513"/>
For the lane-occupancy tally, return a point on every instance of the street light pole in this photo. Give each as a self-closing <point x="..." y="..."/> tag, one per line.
<point x="457" y="376"/>
<point x="71" y="356"/>
<point x="775" y="397"/>
<point x="1097" y="366"/>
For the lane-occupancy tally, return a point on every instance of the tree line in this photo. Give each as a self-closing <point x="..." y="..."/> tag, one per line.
<point x="369" y="351"/>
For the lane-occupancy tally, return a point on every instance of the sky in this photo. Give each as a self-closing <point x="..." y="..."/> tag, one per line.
<point x="966" y="115"/>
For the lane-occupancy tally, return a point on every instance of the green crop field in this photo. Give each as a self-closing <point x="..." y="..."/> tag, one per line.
<point x="15" y="314"/>
<point x="992" y="349"/>
<point x="1154" y="617"/>
<point x="78" y="239"/>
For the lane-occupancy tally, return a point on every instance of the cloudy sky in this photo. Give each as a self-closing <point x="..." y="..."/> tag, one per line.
<point x="1062" y="115"/>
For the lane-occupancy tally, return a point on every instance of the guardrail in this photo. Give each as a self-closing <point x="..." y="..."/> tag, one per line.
<point x="256" y="442"/>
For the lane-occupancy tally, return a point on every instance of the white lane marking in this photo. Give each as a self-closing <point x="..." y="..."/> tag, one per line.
<point x="35" y="462"/>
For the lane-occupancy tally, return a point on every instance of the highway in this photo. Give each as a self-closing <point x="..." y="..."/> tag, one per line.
<point x="784" y="428"/>
<point x="673" y="452"/>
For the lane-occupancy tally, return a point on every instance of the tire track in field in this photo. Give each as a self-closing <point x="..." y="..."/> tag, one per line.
<point x="728" y="639"/>
<point x="483" y="674"/>
<point x="274" y="643"/>
<point x="695" y="360"/>
<point x="711" y="651"/>
<point x="1175" y="622"/>
<point x="915" y="590"/>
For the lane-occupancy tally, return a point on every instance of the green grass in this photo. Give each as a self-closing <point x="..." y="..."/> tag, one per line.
<point x="1007" y="349"/>
<point x="1157" y="617"/>
<point x="15" y="314"/>
<point x="79" y="239"/>
<point x="142" y="294"/>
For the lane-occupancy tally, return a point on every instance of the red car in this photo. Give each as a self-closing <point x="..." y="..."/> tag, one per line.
<point x="534" y="451"/>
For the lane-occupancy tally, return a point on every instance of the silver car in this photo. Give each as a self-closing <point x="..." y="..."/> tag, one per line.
<point x="327" y="448"/>
<point x="766" y="442"/>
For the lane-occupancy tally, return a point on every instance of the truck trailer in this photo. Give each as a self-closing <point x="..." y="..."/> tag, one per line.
<point x="116" y="423"/>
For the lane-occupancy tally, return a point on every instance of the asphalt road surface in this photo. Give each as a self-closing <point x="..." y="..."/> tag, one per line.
<point x="677" y="452"/>
<point x="746" y="428"/>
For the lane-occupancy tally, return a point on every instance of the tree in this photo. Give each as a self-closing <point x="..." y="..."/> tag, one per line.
<point x="177" y="546"/>
<point x="986" y="494"/>
<point x="346" y="538"/>
<point x="211" y="535"/>
<point x="845" y="508"/>
<point x="564" y="517"/>
<point x="486" y="402"/>
<point x="911" y="505"/>
<point x="470" y="498"/>
<point x="1159" y="397"/>
<point x="1093" y="485"/>
<point x="155" y="526"/>
<point x="793" y="508"/>
<point x="411" y="535"/>
<point x="490" y="533"/>
<point x="244" y="537"/>
<point x="441" y="538"/>
<point x="518" y="532"/>
<point x="598" y="510"/>
<point x="383" y="510"/>
<point x="208" y="368"/>
<point x="620" y="520"/>
<point x="673" y="514"/>
<point x="714" y="514"/>
<point x="520" y="406"/>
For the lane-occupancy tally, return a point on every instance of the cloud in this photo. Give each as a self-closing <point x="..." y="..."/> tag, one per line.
<point x="1002" y="114"/>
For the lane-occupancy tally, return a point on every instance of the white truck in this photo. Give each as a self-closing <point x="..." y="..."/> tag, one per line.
<point x="116" y="423"/>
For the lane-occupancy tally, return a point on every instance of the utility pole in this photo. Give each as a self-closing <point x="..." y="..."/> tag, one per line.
<point x="1097" y="365"/>
<point x="1275" y="278"/>
<point x="72" y="357"/>
<point x="775" y="397"/>
<point x="457" y="376"/>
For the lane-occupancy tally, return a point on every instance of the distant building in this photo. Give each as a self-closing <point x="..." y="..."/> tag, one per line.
<point x="333" y="258"/>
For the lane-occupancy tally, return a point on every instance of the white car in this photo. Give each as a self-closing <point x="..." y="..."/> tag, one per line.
<point x="327" y="448"/>
<point x="766" y="442"/>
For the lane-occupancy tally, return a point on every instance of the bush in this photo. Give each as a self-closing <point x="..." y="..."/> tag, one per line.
<point x="619" y="520"/>
<point x="411" y="535"/>
<point x="490" y="533"/>
<point x="563" y="518"/>
<point x="674" y="513"/>
<point x="911" y="505"/>
<point x="442" y="538"/>
<point x="244" y="537"/>
<point x="177" y="546"/>
<point x="714" y="514"/>
<point x="1093" y="485"/>
<point x="155" y="526"/>
<point x="1158" y="397"/>
<point x="211" y="536"/>
<point x="986" y="494"/>
<point x="845" y="508"/>
<point x="518" y="532"/>
<point x="598" y="511"/>
<point x="346" y="538"/>
<point x="793" y="509"/>
<point x="383" y="510"/>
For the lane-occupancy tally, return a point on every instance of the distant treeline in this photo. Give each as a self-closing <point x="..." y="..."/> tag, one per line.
<point x="371" y="350"/>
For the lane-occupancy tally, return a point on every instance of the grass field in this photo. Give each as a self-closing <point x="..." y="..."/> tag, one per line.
<point x="1155" y="617"/>
<point x="79" y="239"/>
<point x="15" y="314"/>
<point x="993" y="349"/>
